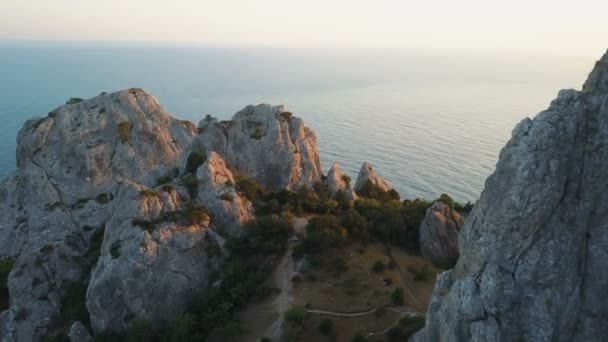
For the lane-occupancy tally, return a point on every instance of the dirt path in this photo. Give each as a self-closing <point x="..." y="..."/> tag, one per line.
<point x="283" y="276"/>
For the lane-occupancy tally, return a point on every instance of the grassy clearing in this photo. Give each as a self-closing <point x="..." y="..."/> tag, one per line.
<point x="346" y="282"/>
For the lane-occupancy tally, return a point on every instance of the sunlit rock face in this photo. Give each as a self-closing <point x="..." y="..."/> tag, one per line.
<point x="366" y="176"/>
<point x="533" y="260"/>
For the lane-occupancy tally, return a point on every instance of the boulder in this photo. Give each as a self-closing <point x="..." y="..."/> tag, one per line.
<point x="533" y="262"/>
<point x="439" y="234"/>
<point x="368" y="176"/>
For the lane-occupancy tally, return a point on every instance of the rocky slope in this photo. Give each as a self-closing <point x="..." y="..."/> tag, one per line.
<point x="534" y="250"/>
<point x="439" y="234"/>
<point x="105" y="222"/>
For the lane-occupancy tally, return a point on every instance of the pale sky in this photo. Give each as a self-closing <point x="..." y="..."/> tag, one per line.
<point x="576" y="28"/>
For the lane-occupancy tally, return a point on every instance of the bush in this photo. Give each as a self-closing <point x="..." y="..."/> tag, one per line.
<point x="359" y="338"/>
<point x="226" y="197"/>
<point x="421" y="274"/>
<point x="167" y="177"/>
<point x="398" y="297"/>
<point x="248" y="187"/>
<point x="265" y="234"/>
<point x="296" y="315"/>
<point x="124" y="131"/>
<point x="378" y="267"/>
<point x="140" y="331"/>
<point x="194" y="161"/>
<point x="194" y="213"/>
<point x="73" y="100"/>
<point x="326" y="327"/>
<point x="321" y="233"/>
<point x="372" y="191"/>
<point x="6" y="265"/>
<point x="346" y="179"/>
<point x="355" y="224"/>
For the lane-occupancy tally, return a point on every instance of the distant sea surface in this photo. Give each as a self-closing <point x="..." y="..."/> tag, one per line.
<point x="430" y="123"/>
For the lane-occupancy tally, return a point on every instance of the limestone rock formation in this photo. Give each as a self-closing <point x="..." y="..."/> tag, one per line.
<point x="266" y="143"/>
<point x="439" y="234"/>
<point x="61" y="196"/>
<point x="104" y="219"/>
<point x="368" y="176"/>
<point x="533" y="260"/>
<point x="217" y="192"/>
<point x="336" y="181"/>
<point x="154" y="255"/>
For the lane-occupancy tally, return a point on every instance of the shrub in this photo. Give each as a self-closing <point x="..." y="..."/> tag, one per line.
<point x="6" y="265"/>
<point x="286" y="116"/>
<point x="346" y="179"/>
<point x="265" y="234"/>
<point x="296" y="315"/>
<point x="397" y="296"/>
<point x="421" y="274"/>
<point x="140" y="331"/>
<point x="321" y="233"/>
<point x="371" y="190"/>
<point x="356" y="224"/>
<point x="167" y="177"/>
<point x="115" y="249"/>
<point x="447" y="200"/>
<point x="148" y="193"/>
<point x="73" y="100"/>
<point x="194" y="161"/>
<point x="326" y="327"/>
<point x="226" y="197"/>
<point x="248" y="186"/>
<point x="464" y="208"/>
<point x="191" y="183"/>
<point x="359" y="338"/>
<point x="124" y="131"/>
<point x="195" y="213"/>
<point x="182" y="328"/>
<point x="378" y="267"/>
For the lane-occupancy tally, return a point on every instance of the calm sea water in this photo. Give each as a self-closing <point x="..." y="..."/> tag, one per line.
<point x="429" y="123"/>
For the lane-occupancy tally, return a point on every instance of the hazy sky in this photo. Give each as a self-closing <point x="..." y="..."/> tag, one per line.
<point x="538" y="26"/>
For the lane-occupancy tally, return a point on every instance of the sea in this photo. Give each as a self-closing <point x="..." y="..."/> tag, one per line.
<point x="430" y="122"/>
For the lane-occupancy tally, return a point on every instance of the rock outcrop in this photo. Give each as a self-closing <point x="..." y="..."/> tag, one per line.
<point x="266" y="143"/>
<point x="154" y="256"/>
<point x="439" y="234"/>
<point x="62" y="194"/>
<point x="217" y="192"/>
<point x="533" y="260"/>
<point x="337" y="182"/>
<point x="368" y="176"/>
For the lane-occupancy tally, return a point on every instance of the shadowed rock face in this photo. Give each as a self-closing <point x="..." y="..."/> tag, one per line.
<point x="533" y="260"/>
<point x="439" y="234"/>
<point x="265" y="142"/>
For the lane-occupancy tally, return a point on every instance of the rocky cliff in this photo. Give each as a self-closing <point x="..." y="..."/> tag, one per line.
<point x="533" y="252"/>
<point x="108" y="219"/>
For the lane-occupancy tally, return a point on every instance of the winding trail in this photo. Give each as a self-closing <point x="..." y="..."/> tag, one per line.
<point x="282" y="278"/>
